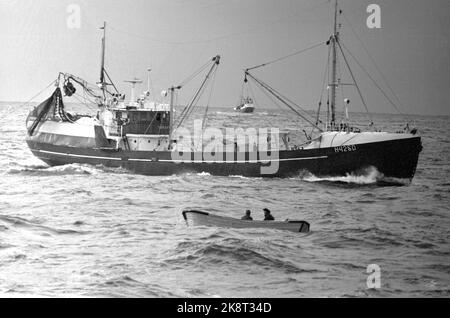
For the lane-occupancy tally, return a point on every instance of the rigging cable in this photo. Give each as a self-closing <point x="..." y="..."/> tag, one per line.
<point x="276" y="103"/>
<point x="341" y="86"/>
<point x="187" y="80"/>
<point x="325" y="76"/>
<point x="294" y="107"/>
<point x="376" y="66"/>
<point x="271" y="98"/>
<point x="284" y="100"/>
<point x="372" y="79"/>
<point x="111" y="82"/>
<point x="209" y="100"/>
<point x="287" y="56"/>
<point x="241" y="96"/>
<point x="221" y="37"/>
<point x="187" y="111"/>
<point x="78" y="97"/>
<point x="82" y="83"/>
<point x="354" y="81"/>
<point x="195" y="74"/>
<point x="52" y="83"/>
<point x="267" y="122"/>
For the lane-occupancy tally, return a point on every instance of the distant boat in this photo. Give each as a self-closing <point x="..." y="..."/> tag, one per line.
<point x="204" y="218"/>
<point x="246" y="106"/>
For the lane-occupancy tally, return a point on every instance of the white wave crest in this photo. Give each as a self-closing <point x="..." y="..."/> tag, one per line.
<point x="204" y="174"/>
<point x="69" y="169"/>
<point x="370" y="175"/>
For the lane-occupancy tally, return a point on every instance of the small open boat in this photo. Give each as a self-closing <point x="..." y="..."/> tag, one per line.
<point x="204" y="218"/>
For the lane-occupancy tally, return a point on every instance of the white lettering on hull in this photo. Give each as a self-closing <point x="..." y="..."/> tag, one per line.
<point x="349" y="148"/>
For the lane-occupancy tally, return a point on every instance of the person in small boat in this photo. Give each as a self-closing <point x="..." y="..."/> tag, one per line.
<point x="267" y="215"/>
<point x="247" y="216"/>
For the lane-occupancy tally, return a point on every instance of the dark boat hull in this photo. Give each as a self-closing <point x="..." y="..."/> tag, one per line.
<point x="247" y="110"/>
<point x="393" y="159"/>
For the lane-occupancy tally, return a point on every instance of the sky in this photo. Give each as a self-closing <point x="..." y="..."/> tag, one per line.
<point x="175" y="37"/>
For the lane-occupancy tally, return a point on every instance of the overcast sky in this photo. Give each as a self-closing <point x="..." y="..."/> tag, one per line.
<point x="175" y="37"/>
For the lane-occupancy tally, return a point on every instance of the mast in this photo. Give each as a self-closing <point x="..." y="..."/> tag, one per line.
<point x="148" y="79"/>
<point x="103" y="84"/>
<point x="171" y="110"/>
<point x="334" y="40"/>
<point x="172" y="92"/>
<point x="102" y="66"/>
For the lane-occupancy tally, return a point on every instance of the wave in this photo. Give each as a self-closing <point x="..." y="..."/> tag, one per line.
<point x="243" y="177"/>
<point x="360" y="238"/>
<point x="70" y="169"/>
<point x="19" y="222"/>
<point x="225" y="113"/>
<point x="228" y="253"/>
<point x="393" y="181"/>
<point x="5" y="246"/>
<point x="369" y="176"/>
<point x="126" y="286"/>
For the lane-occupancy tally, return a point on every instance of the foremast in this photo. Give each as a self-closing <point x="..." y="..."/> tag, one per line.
<point x="102" y="82"/>
<point x="334" y="81"/>
<point x="105" y="79"/>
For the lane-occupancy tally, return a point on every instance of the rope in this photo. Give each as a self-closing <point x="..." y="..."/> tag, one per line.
<point x="256" y="27"/>
<point x="375" y="64"/>
<point x="341" y="89"/>
<point x="209" y="100"/>
<point x="149" y="125"/>
<point x="372" y="79"/>
<point x="293" y="105"/>
<point x="187" y="111"/>
<point x="276" y="103"/>
<point x="284" y="100"/>
<point x="24" y="104"/>
<point x="354" y="80"/>
<point x="253" y="95"/>
<point x="266" y="93"/>
<point x="195" y="74"/>
<point x="85" y="85"/>
<point x="78" y="98"/>
<point x="111" y="82"/>
<point x="287" y="56"/>
<point x="242" y="92"/>
<point x="325" y="77"/>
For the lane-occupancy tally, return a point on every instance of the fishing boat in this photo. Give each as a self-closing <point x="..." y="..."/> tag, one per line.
<point x="245" y="106"/>
<point x="144" y="137"/>
<point x="200" y="218"/>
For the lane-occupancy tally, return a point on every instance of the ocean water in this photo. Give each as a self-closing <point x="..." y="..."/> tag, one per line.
<point x="91" y="231"/>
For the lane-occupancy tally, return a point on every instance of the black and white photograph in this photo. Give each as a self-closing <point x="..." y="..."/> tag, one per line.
<point x="252" y="150"/>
